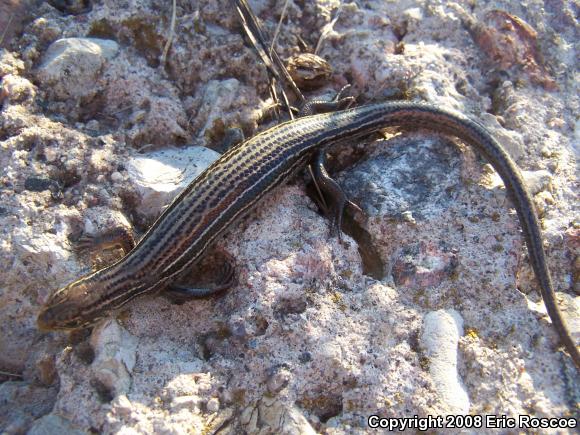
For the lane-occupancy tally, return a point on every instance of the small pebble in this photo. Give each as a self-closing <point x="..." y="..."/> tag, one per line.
<point x="50" y="154"/>
<point x="184" y="402"/>
<point x="213" y="405"/>
<point x="278" y="380"/>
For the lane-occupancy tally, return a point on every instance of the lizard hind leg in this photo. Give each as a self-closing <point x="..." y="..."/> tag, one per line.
<point x="335" y="201"/>
<point x="218" y="264"/>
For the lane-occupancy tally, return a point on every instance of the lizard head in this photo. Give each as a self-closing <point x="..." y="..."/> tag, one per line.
<point x="66" y="309"/>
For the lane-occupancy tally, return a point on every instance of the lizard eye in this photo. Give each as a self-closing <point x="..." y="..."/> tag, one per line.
<point x="59" y="312"/>
<point x="45" y="321"/>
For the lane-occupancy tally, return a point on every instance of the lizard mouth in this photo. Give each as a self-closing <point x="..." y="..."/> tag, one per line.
<point x="45" y="322"/>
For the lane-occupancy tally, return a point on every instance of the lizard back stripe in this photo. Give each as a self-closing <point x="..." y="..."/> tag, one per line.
<point x="243" y="175"/>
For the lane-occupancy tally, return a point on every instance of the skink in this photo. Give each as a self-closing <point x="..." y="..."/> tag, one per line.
<point x="243" y="175"/>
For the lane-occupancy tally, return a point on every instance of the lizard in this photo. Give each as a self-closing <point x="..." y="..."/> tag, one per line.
<point x="244" y="174"/>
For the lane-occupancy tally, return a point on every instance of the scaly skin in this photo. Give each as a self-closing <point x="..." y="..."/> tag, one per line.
<point x="237" y="181"/>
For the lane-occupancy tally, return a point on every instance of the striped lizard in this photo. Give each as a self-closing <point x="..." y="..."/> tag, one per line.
<point x="243" y="175"/>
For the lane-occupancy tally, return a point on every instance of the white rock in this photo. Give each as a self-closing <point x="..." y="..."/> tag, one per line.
<point x="218" y="94"/>
<point x="43" y="249"/>
<point x="18" y="88"/>
<point x="273" y="416"/>
<point x="122" y="405"/>
<point x="278" y="381"/>
<point x="537" y="181"/>
<point x="413" y="14"/>
<point x="128" y="431"/>
<point x="114" y="356"/>
<point x="10" y="63"/>
<point x="51" y="154"/>
<point x="52" y="424"/>
<point x="441" y="332"/>
<point x="99" y="219"/>
<point x="184" y="402"/>
<point x="71" y="66"/>
<point x="160" y="175"/>
<point x="511" y="140"/>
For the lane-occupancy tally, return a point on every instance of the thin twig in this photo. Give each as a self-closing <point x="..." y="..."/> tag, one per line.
<point x="171" y="33"/>
<point x="122" y="109"/>
<point x="254" y="35"/>
<point x="277" y="32"/>
<point x="10" y="374"/>
<point x="257" y="36"/>
<point x="6" y="28"/>
<point x="327" y="29"/>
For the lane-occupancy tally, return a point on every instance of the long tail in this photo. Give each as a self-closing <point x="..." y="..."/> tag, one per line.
<point x="416" y="115"/>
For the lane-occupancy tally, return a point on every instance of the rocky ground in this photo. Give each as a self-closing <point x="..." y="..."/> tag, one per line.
<point x="100" y="125"/>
